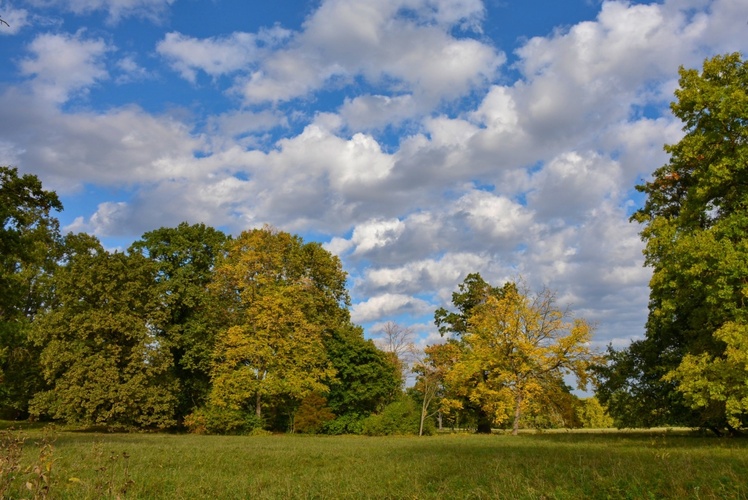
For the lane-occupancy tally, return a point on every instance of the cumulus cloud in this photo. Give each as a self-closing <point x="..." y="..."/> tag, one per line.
<point x="388" y="305"/>
<point x="63" y="65"/>
<point x="530" y="178"/>
<point x="217" y="56"/>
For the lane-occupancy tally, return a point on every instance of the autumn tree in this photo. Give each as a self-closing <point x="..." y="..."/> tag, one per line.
<point x="516" y="348"/>
<point x="282" y="298"/>
<point x="185" y="258"/>
<point x="453" y="324"/>
<point x="30" y="244"/>
<point x="687" y="369"/>
<point x="101" y="356"/>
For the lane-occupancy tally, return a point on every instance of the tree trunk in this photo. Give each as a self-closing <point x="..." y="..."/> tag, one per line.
<point x="258" y="406"/>
<point x="484" y="422"/>
<point x="517" y="414"/>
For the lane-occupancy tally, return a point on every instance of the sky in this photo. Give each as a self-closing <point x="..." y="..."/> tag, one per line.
<point x="419" y="140"/>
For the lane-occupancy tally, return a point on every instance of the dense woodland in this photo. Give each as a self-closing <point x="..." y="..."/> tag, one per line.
<point x="193" y="329"/>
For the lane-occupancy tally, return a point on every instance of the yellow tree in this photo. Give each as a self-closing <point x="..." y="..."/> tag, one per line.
<point x="282" y="297"/>
<point x="517" y="347"/>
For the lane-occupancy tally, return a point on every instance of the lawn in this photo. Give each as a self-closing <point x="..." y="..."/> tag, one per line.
<point x="546" y="465"/>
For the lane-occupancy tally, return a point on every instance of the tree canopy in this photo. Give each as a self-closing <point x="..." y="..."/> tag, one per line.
<point x="687" y="369"/>
<point x="513" y="350"/>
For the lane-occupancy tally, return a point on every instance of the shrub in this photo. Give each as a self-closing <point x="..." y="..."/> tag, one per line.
<point x="312" y="414"/>
<point x="402" y="416"/>
<point x="350" y="423"/>
<point x="216" y="420"/>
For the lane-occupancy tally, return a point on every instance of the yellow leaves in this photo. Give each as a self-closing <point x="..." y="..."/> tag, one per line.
<point x="516" y="344"/>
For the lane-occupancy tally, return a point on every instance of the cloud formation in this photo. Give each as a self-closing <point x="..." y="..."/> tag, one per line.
<point x="395" y="132"/>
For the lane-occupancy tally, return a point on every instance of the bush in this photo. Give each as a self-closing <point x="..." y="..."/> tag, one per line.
<point x="216" y="420"/>
<point x="399" y="417"/>
<point x="312" y="414"/>
<point x="350" y="423"/>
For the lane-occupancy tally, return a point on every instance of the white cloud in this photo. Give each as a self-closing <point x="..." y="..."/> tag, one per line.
<point x="123" y="146"/>
<point x="344" y="39"/>
<point x="219" y="55"/>
<point x="64" y="65"/>
<point x="388" y="305"/>
<point x="15" y="18"/>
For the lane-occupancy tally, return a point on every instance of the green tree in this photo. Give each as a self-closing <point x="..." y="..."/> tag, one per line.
<point x="29" y="249"/>
<point x="517" y="348"/>
<point x="282" y="297"/>
<point x="366" y="378"/>
<point x="101" y="356"/>
<point x="185" y="257"/>
<point x="695" y="219"/>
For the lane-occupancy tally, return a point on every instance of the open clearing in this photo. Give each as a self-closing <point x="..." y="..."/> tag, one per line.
<point x="544" y="465"/>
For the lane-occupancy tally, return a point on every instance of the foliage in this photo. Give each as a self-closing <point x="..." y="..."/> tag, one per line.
<point x="401" y="417"/>
<point x="29" y="248"/>
<point x="514" y="352"/>
<point x="185" y="257"/>
<point x="313" y="414"/>
<point x="472" y="292"/>
<point x="101" y="354"/>
<point x="212" y="419"/>
<point x="347" y="423"/>
<point x="593" y="415"/>
<point x="366" y="378"/>
<point x="282" y="296"/>
<point x="695" y="220"/>
<point x="704" y="379"/>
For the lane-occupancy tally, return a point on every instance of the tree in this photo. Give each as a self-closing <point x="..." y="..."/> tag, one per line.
<point x="695" y="219"/>
<point x="185" y="257"/>
<point x="282" y="297"/>
<point x="29" y="249"/>
<point x="366" y="378"/>
<point x="101" y="355"/>
<point x="430" y="381"/>
<point x="516" y="349"/>
<point x="397" y="340"/>
<point x="472" y="292"/>
<point x="593" y="415"/>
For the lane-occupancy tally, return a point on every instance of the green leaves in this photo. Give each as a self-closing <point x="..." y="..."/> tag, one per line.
<point x="696" y="219"/>
<point x="101" y="354"/>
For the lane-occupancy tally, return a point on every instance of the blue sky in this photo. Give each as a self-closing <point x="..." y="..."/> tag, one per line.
<point x="419" y="140"/>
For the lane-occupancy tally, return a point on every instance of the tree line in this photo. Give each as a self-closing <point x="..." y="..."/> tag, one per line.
<point x="191" y="328"/>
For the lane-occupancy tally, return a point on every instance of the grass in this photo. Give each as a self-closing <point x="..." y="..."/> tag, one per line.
<point x="549" y="465"/>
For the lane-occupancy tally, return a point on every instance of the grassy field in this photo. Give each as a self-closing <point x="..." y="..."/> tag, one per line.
<point x="548" y="465"/>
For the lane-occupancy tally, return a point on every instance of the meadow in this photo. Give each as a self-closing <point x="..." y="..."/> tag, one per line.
<point x="660" y="464"/>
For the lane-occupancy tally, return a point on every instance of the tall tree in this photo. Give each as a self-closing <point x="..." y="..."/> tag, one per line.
<point x="101" y="355"/>
<point x="695" y="220"/>
<point x="454" y="324"/>
<point x="29" y="249"/>
<point x="283" y="298"/>
<point x="185" y="257"/>
<point x="516" y="350"/>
